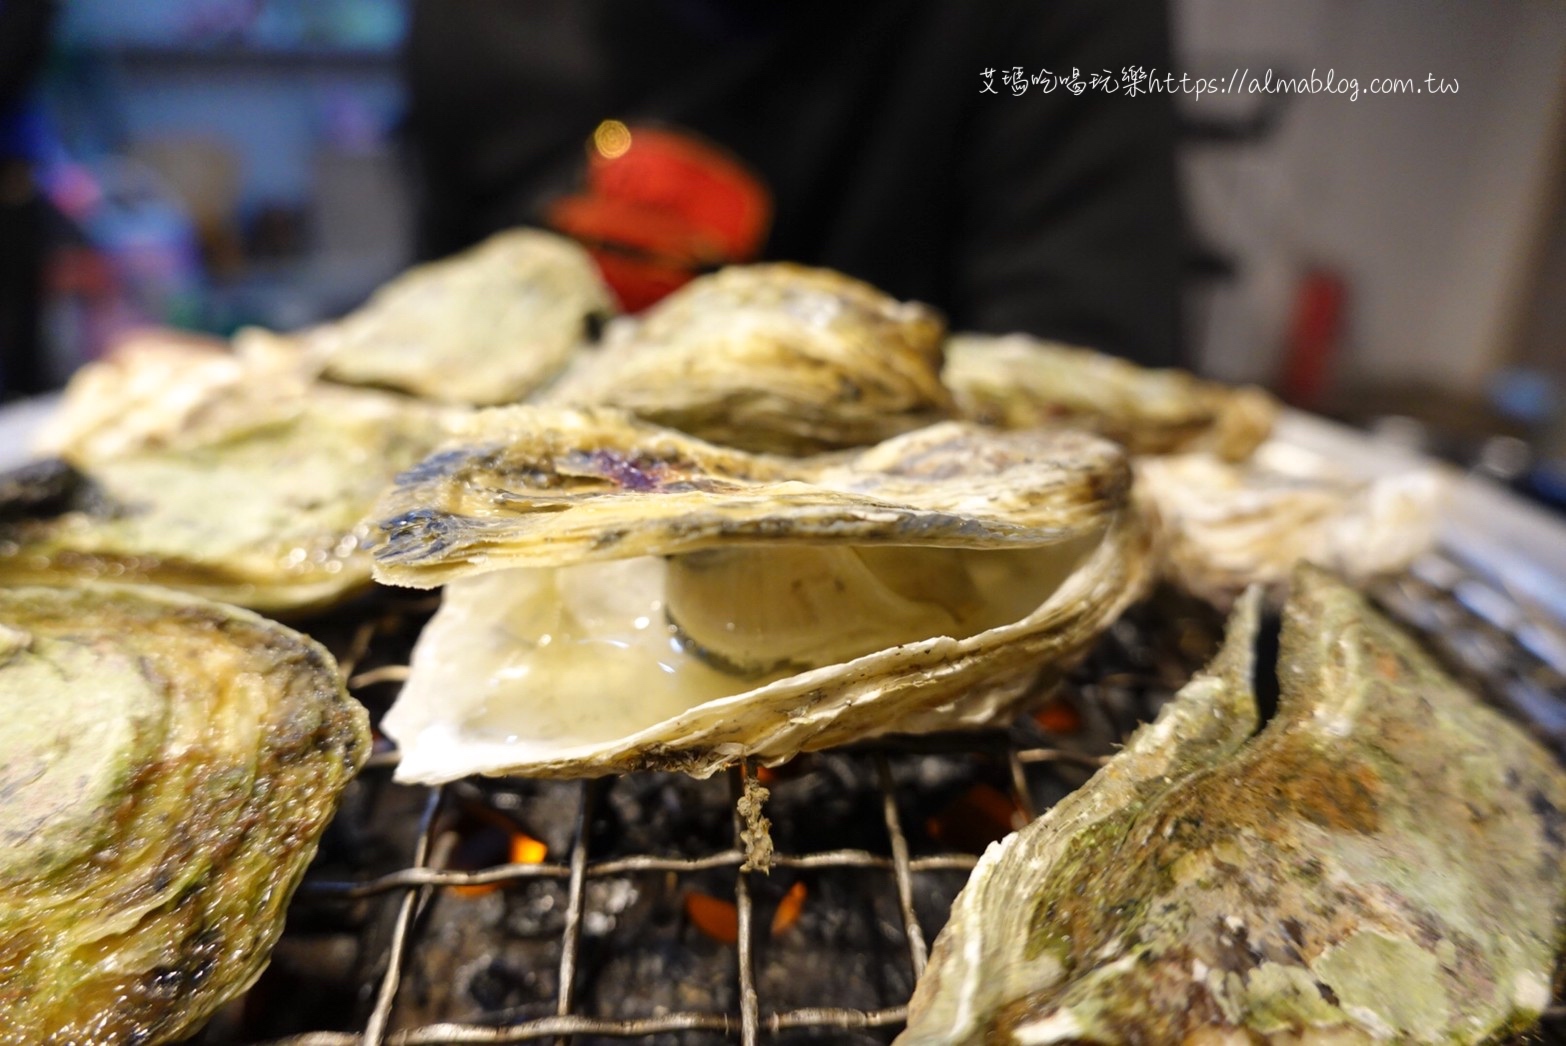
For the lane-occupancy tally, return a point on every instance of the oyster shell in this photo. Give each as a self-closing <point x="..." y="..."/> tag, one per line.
<point x="486" y="326"/>
<point x="154" y="391"/>
<point x="1017" y="381"/>
<point x="1227" y="526"/>
<point x="240" y="485"/>
<point x="168" y="765"/>
<point x="771" y="358"/>
<point x="1383" y="862"/>
<point x="623" y="596"/>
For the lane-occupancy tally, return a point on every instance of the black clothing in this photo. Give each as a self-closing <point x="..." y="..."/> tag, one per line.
<point x="1051" y="213"/>
<point x="24" y="37"/>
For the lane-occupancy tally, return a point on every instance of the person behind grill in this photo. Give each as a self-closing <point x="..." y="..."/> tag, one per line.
<point x="881" y="138"/>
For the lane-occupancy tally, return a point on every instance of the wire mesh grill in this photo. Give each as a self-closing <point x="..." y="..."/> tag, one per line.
<point x="1483" y="632"/>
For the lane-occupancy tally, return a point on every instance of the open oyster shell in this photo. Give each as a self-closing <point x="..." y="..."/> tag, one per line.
<point x="1226" y="526"/>
<point x="486" y="326"/>
<point x="1383" y="862"/>
<point x="168" y="765"/>
<point x="623" y="596"/>
<point x="242" y="485"/>
<point x="771" y="358"/>
<point x="1017" y="381"/>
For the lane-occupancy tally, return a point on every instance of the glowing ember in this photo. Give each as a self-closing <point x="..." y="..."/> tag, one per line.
<point x="1059" y="717"/>
<point x="975" y="819"/>
<point x="527" y="850"/>
<point x="485" y="840"/>
<point x="787" y="913"/>
<point x="713" y="916"/>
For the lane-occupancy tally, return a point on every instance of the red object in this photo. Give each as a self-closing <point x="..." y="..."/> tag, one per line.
<point x="659" y="208"/>
<point x="1059" y="717"/>
<point x="1315" y="337"/>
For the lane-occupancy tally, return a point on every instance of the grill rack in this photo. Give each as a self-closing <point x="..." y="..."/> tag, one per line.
<point x="1468" y="618"/>
<point x="420" y="877"/>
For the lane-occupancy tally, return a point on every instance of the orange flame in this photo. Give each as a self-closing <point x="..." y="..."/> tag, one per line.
<point x="524" y="849"/>
<point x="527" y="850"/>
<point x="787" y="913"/>
<point x="713" y="916"/>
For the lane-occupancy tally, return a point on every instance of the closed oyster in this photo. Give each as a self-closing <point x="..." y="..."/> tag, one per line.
<point x="168" y="766"/>
<point x="624" y="596"/>
<point x="771" y="358"/>
<point x="1018" y="382"/>
<point x="483" y="327"/>
<point x="1383" y="862"/>
<point x="1227" y="526"/>
<point x="155" y="391"/>
<point x="240" y="485"/>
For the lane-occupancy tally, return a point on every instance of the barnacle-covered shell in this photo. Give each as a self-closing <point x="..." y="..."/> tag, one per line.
<point x="168" y="765"/>
<point x="625" y="596"/>
<point x="1227" y="526"/>
<point x="771" y="358"/>
<point x="244" y="486"/>
<point x="1382" y="863"/>
<point x="486" y="326"/>
<point x="1017" y="381"/>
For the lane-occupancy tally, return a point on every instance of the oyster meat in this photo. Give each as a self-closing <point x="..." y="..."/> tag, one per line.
<point x="1226" y="526"/>
<point x="1017" y="381"/>
<point x="241" y="485"/>
<point x="1382" y="862"/>
<point x="487" y="326"/>
<point x="621" y="596"/>
<point x="168" y="765"/>
<point x="771" y="358"/>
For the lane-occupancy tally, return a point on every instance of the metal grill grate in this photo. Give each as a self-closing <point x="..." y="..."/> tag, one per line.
<point x="1469" y="620"/>
<point x="421" y="876"/>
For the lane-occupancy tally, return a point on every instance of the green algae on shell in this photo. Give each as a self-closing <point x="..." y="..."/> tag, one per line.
<point x="1017" y="381"/>
<point x="240" y="485"/>
<point x="1382" y="862"/>
<point x="168" y="766"/>
<point x="622" y="596"/>
<point x="774" y="358"/>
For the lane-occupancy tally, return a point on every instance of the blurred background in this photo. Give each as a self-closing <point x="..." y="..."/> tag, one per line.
<point x="1396" y="261"/>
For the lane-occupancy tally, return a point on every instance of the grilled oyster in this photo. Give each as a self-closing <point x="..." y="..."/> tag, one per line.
<point x="486" y="326"/>
<point x="1018" y="382"/>
<point x="921" y="584"/>
<point x="150" y="393"/>
<point x="242" y="486"/>
<point x="771" y="358"/>
<point x="1228" y="526"/>
<point x="168" y="766"/>
<point x="1383" y="862"/>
